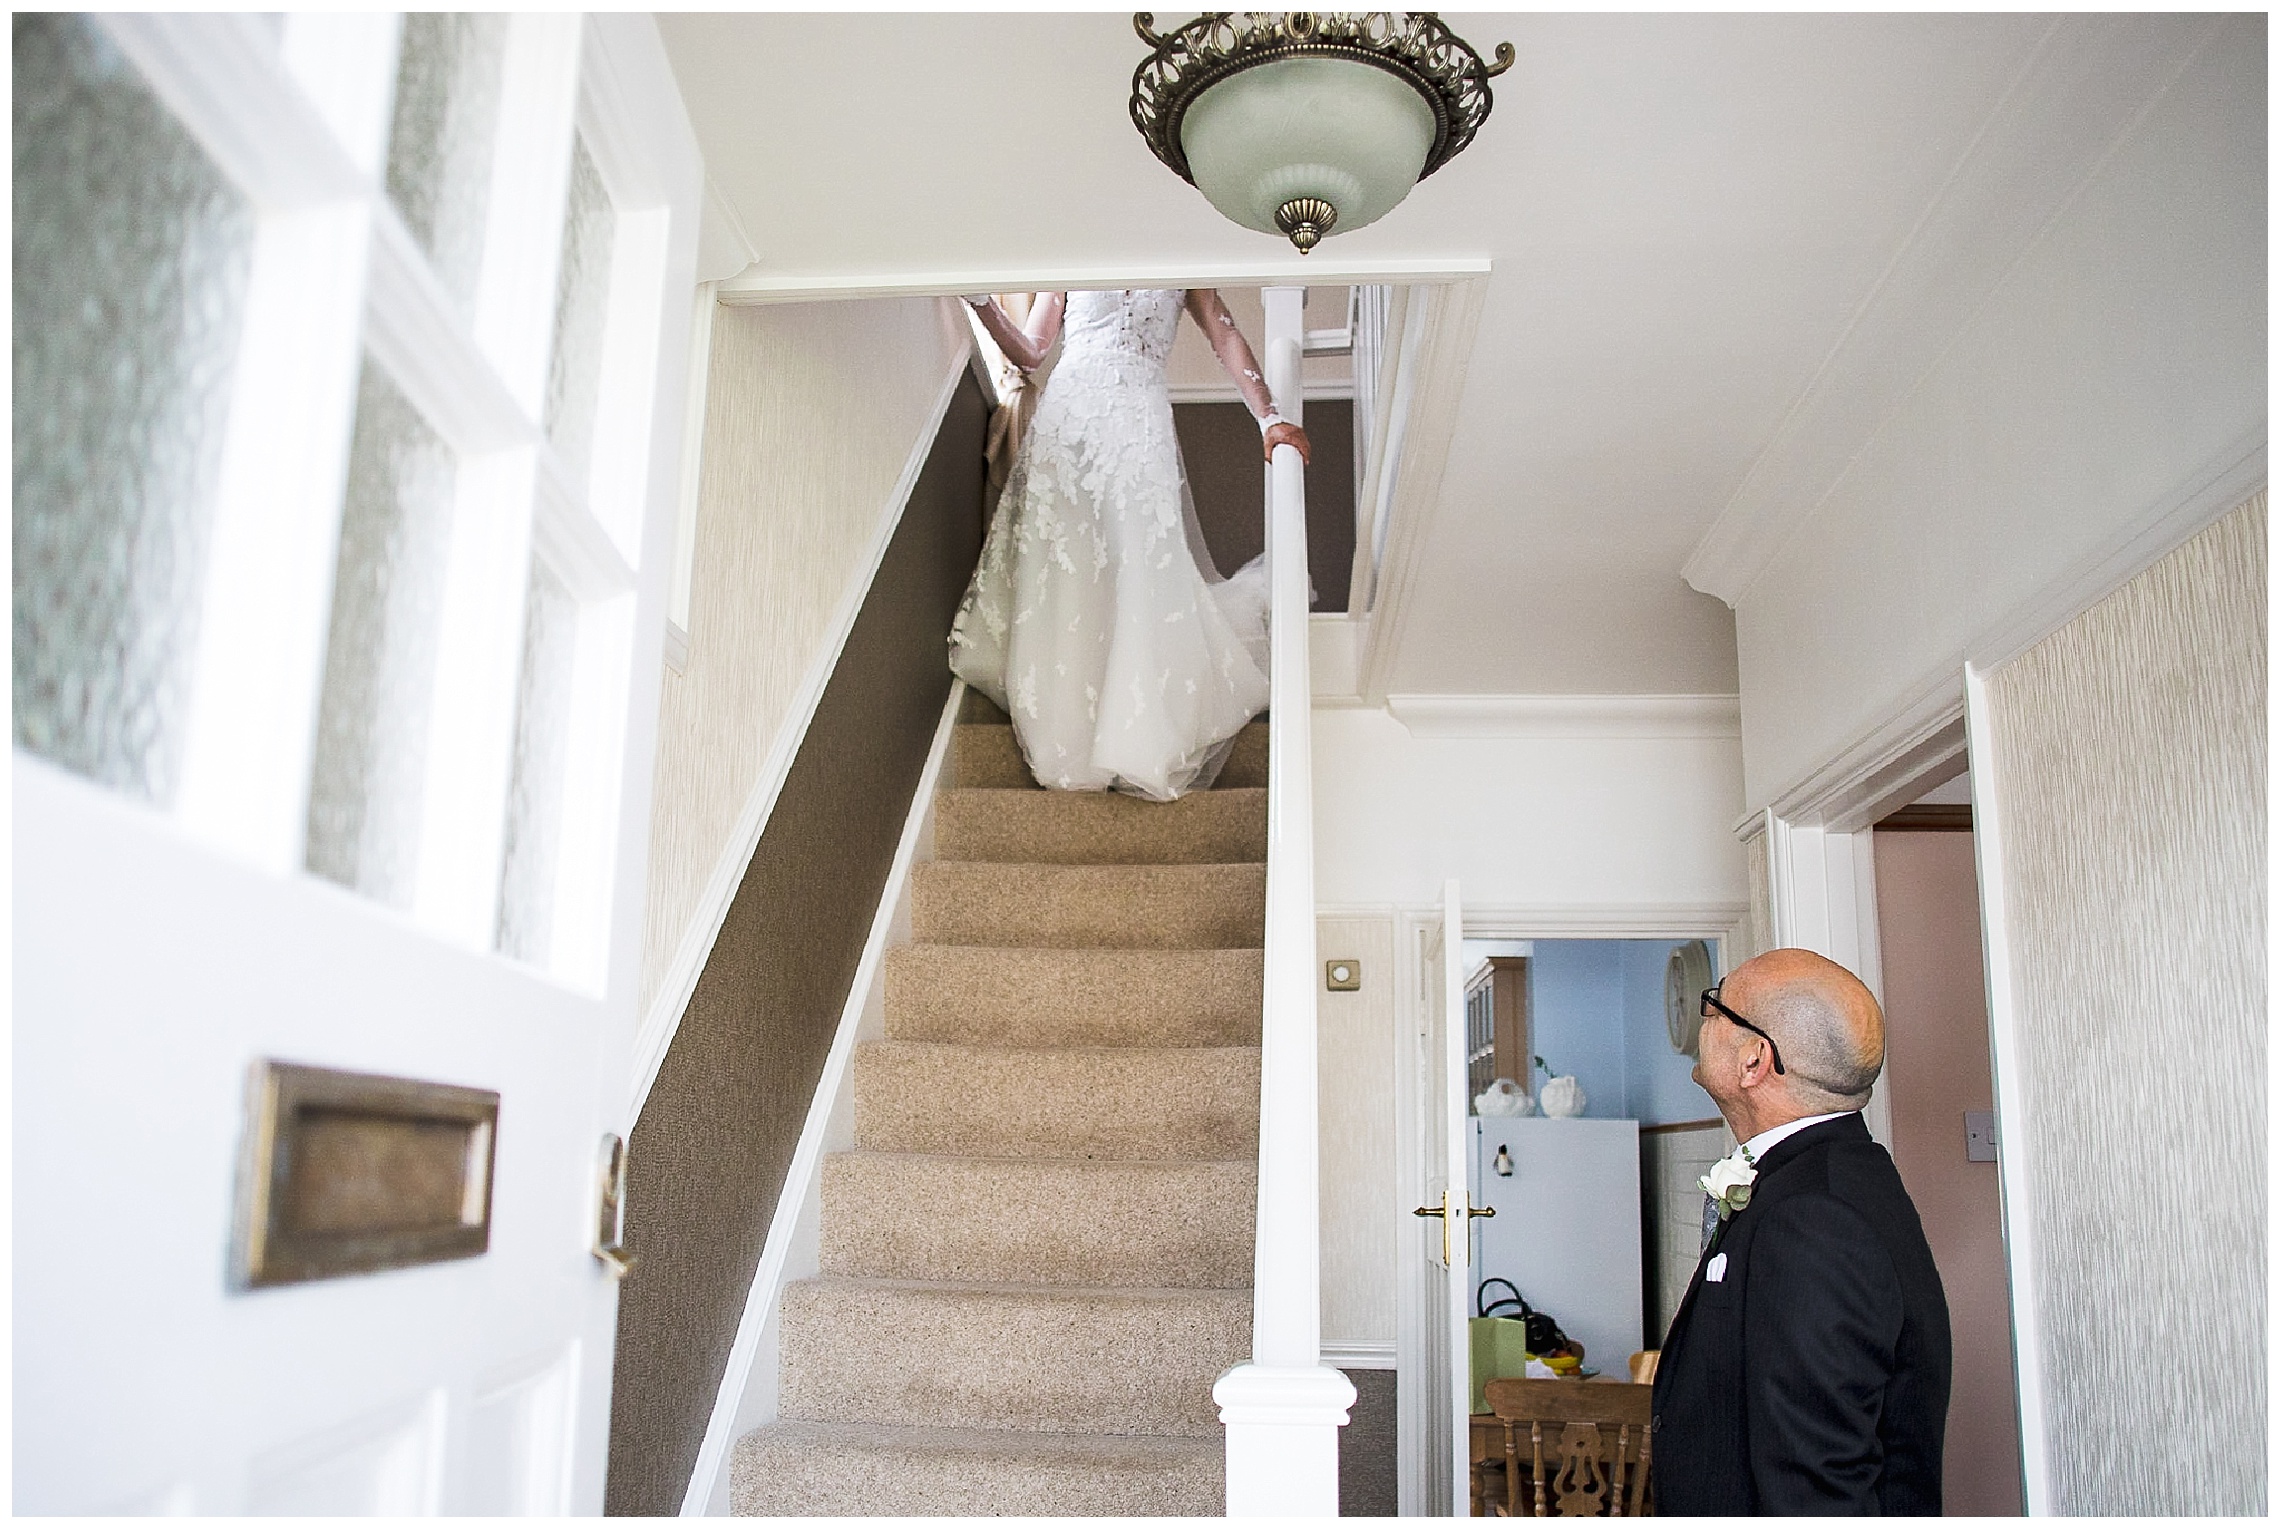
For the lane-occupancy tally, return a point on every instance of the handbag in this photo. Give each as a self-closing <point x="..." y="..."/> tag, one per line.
<point x="1544" y="1335"/>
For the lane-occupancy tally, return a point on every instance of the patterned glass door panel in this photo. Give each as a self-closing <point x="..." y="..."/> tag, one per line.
<point x="133" y="252"/>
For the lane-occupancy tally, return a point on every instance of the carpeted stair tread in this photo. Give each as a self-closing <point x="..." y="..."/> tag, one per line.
<point x="988" y="754"/>
<point x="960" y="902"/>
<point x="840" y="1469"/>
<point x="986" y="995"/>
<point x="1100" y="827"/>
<point x="1039" y="1220"/>
<point x="1042" y="1358"/>
<point x="1037" y="1258"/>
<point x="979" y="710"/>
<point x="1128" y="1102"/>
<point x="1247" y="762"/>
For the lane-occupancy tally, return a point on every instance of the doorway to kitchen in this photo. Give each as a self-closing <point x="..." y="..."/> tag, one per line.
<point x="1597" y="988"/>
<point x="1587" y="1131"/>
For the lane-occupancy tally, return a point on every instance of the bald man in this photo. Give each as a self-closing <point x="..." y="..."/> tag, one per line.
<point x="1807" y="1368"/>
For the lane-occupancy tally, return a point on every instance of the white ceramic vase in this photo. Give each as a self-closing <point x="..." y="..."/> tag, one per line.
<point x="1501" y="1098"/>
<point x="1562" y="1097"/>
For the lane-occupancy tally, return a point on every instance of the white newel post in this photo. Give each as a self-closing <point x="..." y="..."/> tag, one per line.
<point x="1283" y="1410"/>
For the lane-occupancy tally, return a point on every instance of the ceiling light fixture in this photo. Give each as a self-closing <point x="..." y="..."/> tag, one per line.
<point x="1305" y="122"/>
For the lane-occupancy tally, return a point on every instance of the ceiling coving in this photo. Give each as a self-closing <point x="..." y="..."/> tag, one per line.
<point x="1307" y="122"/>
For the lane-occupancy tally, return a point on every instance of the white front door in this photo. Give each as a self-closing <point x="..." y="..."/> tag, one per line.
<point x="343" y="418"/>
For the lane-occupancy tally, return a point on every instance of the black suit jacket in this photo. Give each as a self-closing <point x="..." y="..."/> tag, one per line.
<point x="1812" y="1378"/>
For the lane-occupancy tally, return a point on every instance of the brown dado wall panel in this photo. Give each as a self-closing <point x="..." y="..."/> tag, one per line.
<point x="715" y="1139"/>
<point x="1220" y="445"/>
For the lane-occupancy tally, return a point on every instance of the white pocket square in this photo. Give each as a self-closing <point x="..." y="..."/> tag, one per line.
<point x="1716" y="1273"/>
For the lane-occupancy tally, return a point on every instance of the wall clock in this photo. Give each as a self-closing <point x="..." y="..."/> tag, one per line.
<point x="1683" y="981"/>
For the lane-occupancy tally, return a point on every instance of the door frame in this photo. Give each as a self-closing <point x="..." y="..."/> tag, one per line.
<point x="1415" y="1307"/>
<point x="1920" y="742"/>
<point x="1822" y="870"/>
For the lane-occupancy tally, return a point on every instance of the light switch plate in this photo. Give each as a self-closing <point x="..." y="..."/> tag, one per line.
<point x="1342" y="976"/>
<point x="1979" y="1136"/>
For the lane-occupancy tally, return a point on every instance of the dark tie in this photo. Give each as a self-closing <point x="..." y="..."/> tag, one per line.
<point x="1709" y="1221"/>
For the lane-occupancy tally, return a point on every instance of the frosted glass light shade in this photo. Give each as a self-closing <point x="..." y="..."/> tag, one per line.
<point x="1349" y="134"/>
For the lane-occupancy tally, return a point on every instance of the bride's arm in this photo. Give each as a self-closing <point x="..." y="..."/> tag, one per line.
<point x="1024" y="345"/>
<point x="1227" y="342"/>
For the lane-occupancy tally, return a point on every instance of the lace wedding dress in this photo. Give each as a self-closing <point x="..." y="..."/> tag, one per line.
<point x="1095" y="618"/>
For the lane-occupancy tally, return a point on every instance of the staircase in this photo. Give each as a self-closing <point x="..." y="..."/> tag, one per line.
<point x="1037" y="1258"/>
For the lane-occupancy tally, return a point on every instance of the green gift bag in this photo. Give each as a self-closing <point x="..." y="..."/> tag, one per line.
<point x="1499" y="1351"/>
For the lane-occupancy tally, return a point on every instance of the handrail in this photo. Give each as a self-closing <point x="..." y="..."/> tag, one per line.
<point x="1283" y="1409"/>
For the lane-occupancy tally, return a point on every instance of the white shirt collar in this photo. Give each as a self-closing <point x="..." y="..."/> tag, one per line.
<point x="1765" y="1141"/>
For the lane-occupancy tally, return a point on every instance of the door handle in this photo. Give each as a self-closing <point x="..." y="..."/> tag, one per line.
<point x="609" y="1221"/>
<point x="1455" y="1215"/>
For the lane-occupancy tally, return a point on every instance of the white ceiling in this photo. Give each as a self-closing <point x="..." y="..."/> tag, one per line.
<point x="1686" y="220"/>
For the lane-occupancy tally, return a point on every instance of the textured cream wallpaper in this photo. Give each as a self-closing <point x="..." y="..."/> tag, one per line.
<point x="1756" y="936"/>
<point x="812" y="412"/>
<point x="1360" y="1212"/>
<point x="2129" y="786"/>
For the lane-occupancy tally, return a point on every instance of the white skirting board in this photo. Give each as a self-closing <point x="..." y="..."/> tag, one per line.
<point x="747" y="1396"/>
<point x="1357" y="1355"/>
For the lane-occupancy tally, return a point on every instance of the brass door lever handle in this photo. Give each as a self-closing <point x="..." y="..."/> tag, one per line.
<point x="1455" y="1216"/>
<point x="609" y="1221"/>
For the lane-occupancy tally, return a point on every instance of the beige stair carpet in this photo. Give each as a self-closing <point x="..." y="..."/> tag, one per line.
<point x="1037" y="1257"/>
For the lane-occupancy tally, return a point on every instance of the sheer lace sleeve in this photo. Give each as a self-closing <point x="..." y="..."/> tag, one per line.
<point x="1025" y="345"/>
<point x="1227" y="342"/>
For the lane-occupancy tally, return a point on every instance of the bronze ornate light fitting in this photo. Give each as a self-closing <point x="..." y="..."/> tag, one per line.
<point x="1301" y="122"/>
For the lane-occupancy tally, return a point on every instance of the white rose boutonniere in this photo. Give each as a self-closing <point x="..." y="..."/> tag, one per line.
<point x="1728" y="1181"/>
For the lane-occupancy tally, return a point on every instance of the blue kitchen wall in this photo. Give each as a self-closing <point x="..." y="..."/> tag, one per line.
<point x="1576" y="999"/>
<point x="1598" y="1013"/>
<point x="1662" y="1090"/>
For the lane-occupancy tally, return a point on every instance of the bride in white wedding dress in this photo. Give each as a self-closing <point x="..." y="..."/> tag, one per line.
<point x="1096" y="619"/>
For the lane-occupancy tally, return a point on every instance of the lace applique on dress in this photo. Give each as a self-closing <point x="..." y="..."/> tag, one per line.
<point x="1092" y="536"/>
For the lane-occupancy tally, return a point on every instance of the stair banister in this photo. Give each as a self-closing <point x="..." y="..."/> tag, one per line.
<point x="1282" y="1411"/>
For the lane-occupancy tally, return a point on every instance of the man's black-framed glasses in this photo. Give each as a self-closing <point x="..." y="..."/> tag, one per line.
<point x="1710" y="1001"/>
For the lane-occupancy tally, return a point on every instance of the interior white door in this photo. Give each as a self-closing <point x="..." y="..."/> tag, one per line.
<point x="1457" y="1213"/>
<point x="343" y="420"/>
<point x="1442" y="1283"/>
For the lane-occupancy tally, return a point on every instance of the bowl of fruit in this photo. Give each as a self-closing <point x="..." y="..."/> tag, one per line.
<point x="1562" y="1362"/>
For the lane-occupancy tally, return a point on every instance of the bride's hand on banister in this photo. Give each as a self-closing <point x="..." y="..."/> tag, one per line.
<point x="1284" y="433"/>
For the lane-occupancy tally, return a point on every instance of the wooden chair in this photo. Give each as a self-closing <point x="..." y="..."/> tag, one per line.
<point x="1487" y="1475"/>
<point x="1577" y="1449"/>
